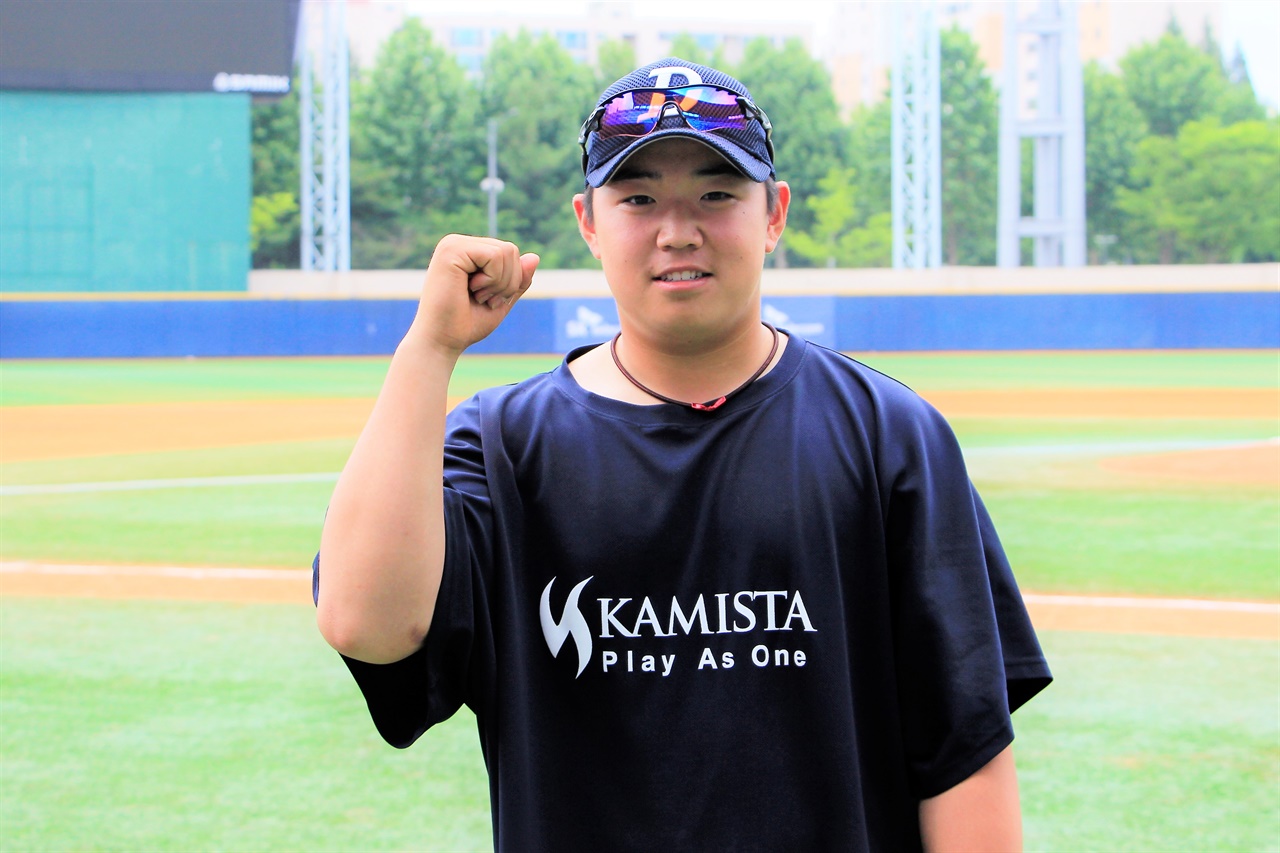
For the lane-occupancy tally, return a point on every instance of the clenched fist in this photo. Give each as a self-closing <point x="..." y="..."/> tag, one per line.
<point x="471" y="284"/>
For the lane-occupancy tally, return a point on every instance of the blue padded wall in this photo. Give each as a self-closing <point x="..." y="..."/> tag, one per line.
<point x="95" y="328"/>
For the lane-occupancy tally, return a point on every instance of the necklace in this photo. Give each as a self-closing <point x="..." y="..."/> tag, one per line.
<point x="709" y="406"/>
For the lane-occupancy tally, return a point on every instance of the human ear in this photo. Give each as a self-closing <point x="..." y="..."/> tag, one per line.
<point x="586" y="225"/>
<point x="778" y="217"/>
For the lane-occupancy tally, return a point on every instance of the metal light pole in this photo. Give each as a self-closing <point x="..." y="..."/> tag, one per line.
<point x="916" y="138"/>
<point x="326" y="147"/>
<point x="1057" y="223"/>
<point x="492" y="184"/>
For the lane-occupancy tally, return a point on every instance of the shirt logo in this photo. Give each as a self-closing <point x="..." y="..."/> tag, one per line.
<point x="633" y="634"/>
<point x="572" y="623"/>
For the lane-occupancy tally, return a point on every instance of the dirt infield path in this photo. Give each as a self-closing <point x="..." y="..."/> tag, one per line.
<point x="59" y="432"/>
<point x="1179" y="617"/>
<point x="1245" y="464"/>
<point x="49" y="432"/>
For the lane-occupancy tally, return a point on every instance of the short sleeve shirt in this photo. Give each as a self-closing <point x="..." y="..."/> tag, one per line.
<point x="779" y="625"/>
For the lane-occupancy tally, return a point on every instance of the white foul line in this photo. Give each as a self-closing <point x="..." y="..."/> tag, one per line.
<point x="215" y="572"/>
<point x="1153" y="603"/>
<point x="171" y="483"/>
<point x="974" y="454"/>
<point x="191" y="572"/>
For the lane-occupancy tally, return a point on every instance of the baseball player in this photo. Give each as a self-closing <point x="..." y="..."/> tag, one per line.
<point x="706" y="585"/>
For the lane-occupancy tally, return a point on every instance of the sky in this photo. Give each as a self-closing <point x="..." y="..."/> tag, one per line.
<point x="1253" y="24"/>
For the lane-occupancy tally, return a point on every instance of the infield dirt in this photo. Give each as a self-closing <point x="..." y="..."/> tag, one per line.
<point x="56" y="432"/>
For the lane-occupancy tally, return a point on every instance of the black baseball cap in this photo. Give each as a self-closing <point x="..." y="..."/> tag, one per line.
<point x="748" y="148"/>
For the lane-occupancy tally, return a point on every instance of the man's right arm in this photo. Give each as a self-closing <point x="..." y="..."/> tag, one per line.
<point x="383" y="545"/>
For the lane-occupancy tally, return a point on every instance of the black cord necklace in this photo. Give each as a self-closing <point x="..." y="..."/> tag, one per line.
<point x="709" y="406"/>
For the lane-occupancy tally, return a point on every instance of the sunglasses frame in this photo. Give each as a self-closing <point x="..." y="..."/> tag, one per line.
<point x="749" y="109"/>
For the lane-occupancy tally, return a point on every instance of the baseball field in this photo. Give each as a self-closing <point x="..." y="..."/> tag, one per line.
<point x="162" y="685"/>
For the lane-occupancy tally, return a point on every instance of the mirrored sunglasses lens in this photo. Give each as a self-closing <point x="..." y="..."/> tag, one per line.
<point x="712" y="109"/>
<point x="704" y="107"/>
<point x="632" y="113"/>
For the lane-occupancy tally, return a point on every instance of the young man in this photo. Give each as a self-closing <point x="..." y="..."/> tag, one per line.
<point x="707" y="586"/>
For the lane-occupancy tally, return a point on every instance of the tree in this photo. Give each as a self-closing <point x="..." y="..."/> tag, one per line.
<point x="419" y="139"/>
<point x="837" y="238"/>
<point x="540" y="97"/>
<point x="852" y="210"/>
<point x="970" y="148"/>
<point x="1172" y="82"/>
<point x="795" y="90"/>
<point x="869" y="151"/>
<point x="687" y="46"/>
<point x="274" y="222"/>
<point x="1210" y="194"/>
<point x="1113" y="127"/>
<point x="1240" y="101"/>
<point x="614" y="59"/>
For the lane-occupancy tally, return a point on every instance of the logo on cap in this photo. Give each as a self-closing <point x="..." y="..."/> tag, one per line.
<point x="662" y="76"/>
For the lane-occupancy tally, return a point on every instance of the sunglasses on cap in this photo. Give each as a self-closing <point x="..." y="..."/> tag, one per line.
<point x="706" y="109"/>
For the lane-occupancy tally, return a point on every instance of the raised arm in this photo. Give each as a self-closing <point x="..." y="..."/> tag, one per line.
<point x="382" y="549"/>
<point x="980" y="815"/>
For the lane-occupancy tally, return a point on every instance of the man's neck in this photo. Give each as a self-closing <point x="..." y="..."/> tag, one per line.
<point x="687" y="373"/>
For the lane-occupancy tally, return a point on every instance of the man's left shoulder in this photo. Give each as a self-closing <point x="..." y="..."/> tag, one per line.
<point x="882" y="391"/>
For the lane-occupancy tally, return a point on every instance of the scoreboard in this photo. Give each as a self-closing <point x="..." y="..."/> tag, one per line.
<point x="148" y="45"/>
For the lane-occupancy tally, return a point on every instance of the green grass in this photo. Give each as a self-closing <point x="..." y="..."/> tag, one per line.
<point x="989" y="370"/>
<point x="181" y="726"/>
<point x="35" y="383"/>
<point x="1174" y="542"/>
<point x="264" y="525"/>
<point x="47" y="383"/>
<point x="1152" y="744"/>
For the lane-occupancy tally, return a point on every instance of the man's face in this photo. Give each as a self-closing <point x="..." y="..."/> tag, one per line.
<point x="682" y="236"/>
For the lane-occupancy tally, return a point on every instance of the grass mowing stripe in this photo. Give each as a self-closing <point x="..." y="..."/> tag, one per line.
<point x="26" y="383"/>
<point x="33" y="383"/>
<point x="1219" y="543"/>
<point x="1140" y="369"/>
<point x="275" y="524"/>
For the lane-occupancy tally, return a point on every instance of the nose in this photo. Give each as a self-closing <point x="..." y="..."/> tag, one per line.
<point x="679" y="229"/>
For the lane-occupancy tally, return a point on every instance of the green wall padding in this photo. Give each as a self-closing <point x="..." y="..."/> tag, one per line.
<point x="124" y="192"/>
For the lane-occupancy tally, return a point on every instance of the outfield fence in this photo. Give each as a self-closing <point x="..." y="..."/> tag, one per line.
<point x="290" y="313"/>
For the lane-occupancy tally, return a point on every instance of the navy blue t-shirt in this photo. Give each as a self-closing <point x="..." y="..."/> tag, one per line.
<point x="776" y="626"/>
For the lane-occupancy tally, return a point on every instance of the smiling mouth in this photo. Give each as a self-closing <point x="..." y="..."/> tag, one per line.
<point x="689" y="275"/>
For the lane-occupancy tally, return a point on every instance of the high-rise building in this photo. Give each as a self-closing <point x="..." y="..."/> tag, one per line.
<point x="858" y="44"/>
<point x="469" y="36"/>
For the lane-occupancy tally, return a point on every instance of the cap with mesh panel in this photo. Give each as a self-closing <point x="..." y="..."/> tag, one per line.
<point x="745" y="148"/>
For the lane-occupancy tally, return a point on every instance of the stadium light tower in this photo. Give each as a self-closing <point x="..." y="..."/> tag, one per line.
<point x="916" y="137"/>
<point x="1057" y="224"/>
<point x="326" y="146"/>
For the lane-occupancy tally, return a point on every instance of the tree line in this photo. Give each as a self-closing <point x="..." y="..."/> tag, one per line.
<point x="1182" y="160"/>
